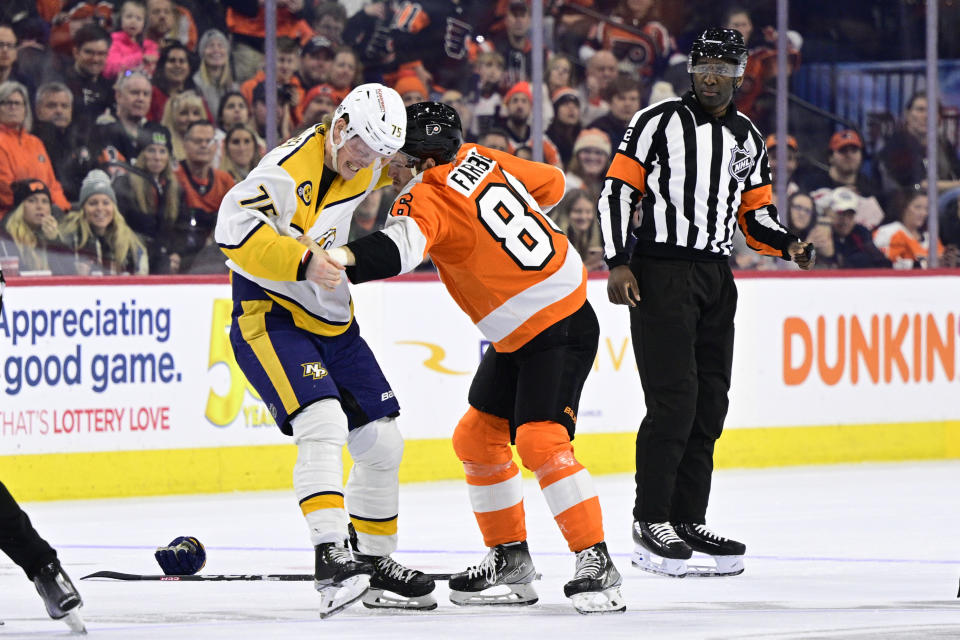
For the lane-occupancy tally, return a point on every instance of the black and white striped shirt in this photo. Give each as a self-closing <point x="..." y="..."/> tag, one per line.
<point x="696" y="177"/>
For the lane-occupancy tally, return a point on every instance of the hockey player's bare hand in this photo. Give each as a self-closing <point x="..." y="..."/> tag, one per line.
<point x="802" y="253"/>
<point x="323" y="270"/>
<point x="622" y="287"/>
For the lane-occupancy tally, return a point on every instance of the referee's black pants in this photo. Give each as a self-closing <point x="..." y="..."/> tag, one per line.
<point x="18" y="538"/>
<point x="682" y="332"/>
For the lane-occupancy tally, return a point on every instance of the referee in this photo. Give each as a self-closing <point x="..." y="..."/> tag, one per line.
<point x="698" y="170"/>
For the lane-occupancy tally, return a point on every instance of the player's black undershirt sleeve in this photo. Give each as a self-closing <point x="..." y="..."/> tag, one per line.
<point x="377" y="257"/>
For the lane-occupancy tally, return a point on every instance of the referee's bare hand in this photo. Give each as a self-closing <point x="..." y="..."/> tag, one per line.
<point x="802" y="253"/>
<point x="622" y="286"/>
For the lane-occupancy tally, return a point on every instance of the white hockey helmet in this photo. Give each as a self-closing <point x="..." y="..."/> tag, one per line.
<point x="376" y="114"/>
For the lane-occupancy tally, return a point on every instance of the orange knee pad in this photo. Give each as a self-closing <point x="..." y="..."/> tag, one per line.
<point x="482" y="438"/>
<point x="540" y="442"/>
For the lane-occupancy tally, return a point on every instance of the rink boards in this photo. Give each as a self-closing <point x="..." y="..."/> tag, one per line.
<point x="128" y="386"/>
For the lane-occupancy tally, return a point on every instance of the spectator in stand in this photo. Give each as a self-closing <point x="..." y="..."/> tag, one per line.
<point x="31" y="231"/>
<point x="519" y="105"/>
<point x="345" y="71"/>
<point x="560" y="74"/>
<point x="71" y="16"/>
<point x="214" y="79"/>
<point x="950" y="235"/>
<point x="904" y="242"/>
<point x="513" y="43"/>
<point x="801" y="215"/>
<point x="793" y="153"/>
<point x="903" y="163"/>
<point x="66" y="143"/>
<point x="591" y="156"/>
<point x="151" y="196"/>
<point x="22" y="155"/>
<point x="495" y="138"/>
<point x="288" y="62"/>
<point x="315" y="61"/>
<point x="329" y="21"/>
<point x="411" y="89"/>
<point x="117" y="139"/>
<point x="565" y="128"/>
<point x="180" y="112"/>
<point x="754" y="97"/>
<point x="92" y="93"/>
<point x="844" y="170"/>
<point x="234" y="109"/>
<point x="245" y="20"/>
<point x="98" y="235"/>
<point x="259" y="113"/>
<point x="601" y="71"/>
<point x="319" y="102"/>
<point x="576" y="215"/>
<point x="486" y="97"/>
<point x="174" y="75"/>
<point x="623" y="96"/>
<point x="128" y="47"/>
<point x="168" y="23"/>
<point x="8" y="57"/>
<point x="647" y="45"/>
<point x="204" y="187"/>
<point x="841" y="242"/>
<point x="240" y="153"/>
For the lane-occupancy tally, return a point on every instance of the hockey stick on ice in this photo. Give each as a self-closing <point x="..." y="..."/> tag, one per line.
<point x="214" y="577"/>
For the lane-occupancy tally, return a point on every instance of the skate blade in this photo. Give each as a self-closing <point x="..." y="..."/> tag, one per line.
<point x="516" y="595"/>
<point x="646" y="560"/>
<point x="380" y="599"/>
<point x="607" y="601"/>
<point x="335" y="598"/>
<point x="75" y="622"/>
<point x="724" y="566"/>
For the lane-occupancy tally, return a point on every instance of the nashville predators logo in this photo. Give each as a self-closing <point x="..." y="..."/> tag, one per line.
<point x="305" y="192"/>
<point x="313" y="370"/>
<point x="740" y="163"/>
<point x="433" y="129"/>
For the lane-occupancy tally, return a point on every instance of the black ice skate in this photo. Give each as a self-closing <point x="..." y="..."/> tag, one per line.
<point x="339" y="578"/>
<point x="726" y="554"/>
<point x="60" y="596"/>
<point x="595" y="587"/>
<point x="658" y="549"/>
<point x="506" y="572"/>
<point x="393" y="586"/>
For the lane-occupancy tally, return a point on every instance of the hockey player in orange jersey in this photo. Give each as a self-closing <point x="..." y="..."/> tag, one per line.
<point x="480" y="214"/>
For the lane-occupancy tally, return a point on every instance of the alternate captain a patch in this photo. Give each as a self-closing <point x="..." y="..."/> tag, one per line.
<point x="305" y="192"/>
<point x="740" y="163"/>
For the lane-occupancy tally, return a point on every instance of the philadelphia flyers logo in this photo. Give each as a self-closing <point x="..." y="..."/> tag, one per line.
<point x="433" y="129"/>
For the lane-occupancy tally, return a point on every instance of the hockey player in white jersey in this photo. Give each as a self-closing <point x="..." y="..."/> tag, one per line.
<point x="296" y="340"/>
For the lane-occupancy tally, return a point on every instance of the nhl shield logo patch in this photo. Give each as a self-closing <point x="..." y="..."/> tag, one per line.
<point x="740" y="163"/>
<point x="305" y="192"/>
<point x="432" y="129"/>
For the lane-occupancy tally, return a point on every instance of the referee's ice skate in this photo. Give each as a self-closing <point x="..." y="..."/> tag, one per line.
<point x="394" y="586"/>
<point x="504" y="577"/>
<point x="658" y="549"/>
<point x="339" y="578"/>
<point x="595" y="587"/>
<point x="727" y="554"/>
<point x="60" y="596"/>
<point x="666" y="550"/>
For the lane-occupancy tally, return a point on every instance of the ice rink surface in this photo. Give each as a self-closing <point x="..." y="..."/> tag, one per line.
<point x="861" y="551"/>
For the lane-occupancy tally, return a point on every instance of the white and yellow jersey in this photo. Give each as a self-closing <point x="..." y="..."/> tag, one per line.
<point x="287" y="195"/>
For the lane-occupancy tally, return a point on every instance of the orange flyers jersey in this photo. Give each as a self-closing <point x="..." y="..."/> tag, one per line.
<point x="483" y="221"/>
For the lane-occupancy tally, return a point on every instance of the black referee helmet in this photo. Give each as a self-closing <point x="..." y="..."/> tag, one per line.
<point x="722" y="44"/>
<point x="433" y="131"/>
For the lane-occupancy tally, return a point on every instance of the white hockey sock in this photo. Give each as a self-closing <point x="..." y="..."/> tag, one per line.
<point x="320" y="431"/>
<point x="373" y="490"/>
